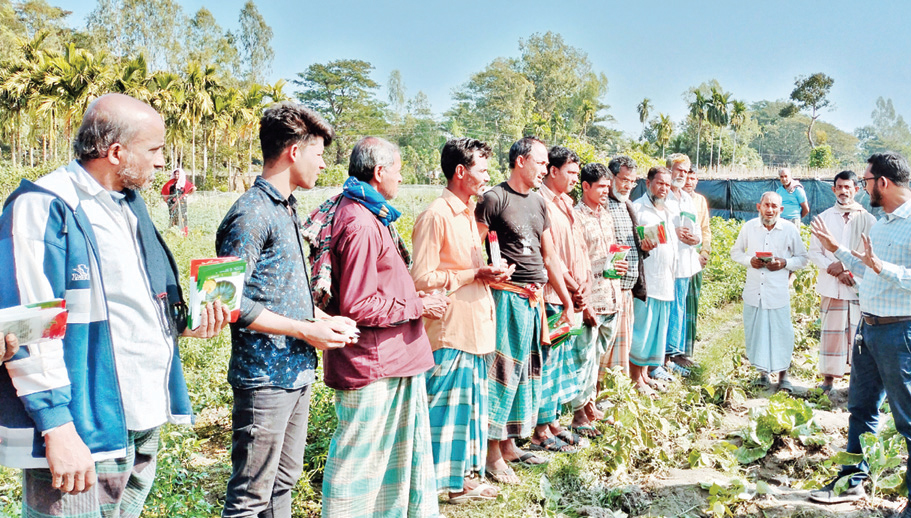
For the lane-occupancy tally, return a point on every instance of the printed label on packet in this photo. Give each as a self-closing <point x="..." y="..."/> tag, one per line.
<point x="494" y="249"/>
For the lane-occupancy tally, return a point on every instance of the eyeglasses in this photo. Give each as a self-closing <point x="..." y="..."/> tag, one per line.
<point x="863" y="181"/>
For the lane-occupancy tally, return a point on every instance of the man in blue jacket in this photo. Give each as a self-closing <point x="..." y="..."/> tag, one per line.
<point x="81" y="415"/>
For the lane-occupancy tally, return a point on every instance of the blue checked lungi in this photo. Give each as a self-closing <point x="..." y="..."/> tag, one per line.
<point x="587" y="351"/>
<point x="676" y="327"/>
<point x="649" y="331"/>
<point x="692" y="314"/>
<point x="559" y="384"/>
<point x="380" y="459"/>
<point x="514" y="369"/>
<point x="457" y="395"/>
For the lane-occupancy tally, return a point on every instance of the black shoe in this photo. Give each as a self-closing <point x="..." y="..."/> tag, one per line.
<point x="906" y="512"/>
<point x="826" y="495"/>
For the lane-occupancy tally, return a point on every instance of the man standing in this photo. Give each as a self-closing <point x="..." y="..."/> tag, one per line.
<point x="600" y="314"/>
<point x="794" y="205"/>
<point x="380" y="459"/>
<point x="769" y="248"/>
<point x="519" y="218"/>
<point x="847" y="220"/>
<point x="89" y="407"/>
<point x="689" y="236"/>
<point x="448" y="256"/>
<point x="559" y="383"/>
<point x="653" y="315"/>
<point x="273" y="340"/>
<point x="632" y="284"/>
<point x="703" y="220"/>
<point x="881" y="350"/>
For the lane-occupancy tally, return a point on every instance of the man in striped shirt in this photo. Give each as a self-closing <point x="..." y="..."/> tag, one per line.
<point x="881" y="355"/>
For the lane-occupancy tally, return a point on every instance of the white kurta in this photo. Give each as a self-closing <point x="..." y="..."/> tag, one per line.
<point x="661" y="263"/>
<point x="684" y="215"/>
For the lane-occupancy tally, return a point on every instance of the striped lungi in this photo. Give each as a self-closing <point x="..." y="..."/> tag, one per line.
<point x="514" y="369"/>
<point x="676" y="327"/>
<point x="122" y="487"/>
<point x="588" y="349"/>
<point x="380" y="459"/>
<point x="839" y="320"/>
<point x="692" y="314"/>
<point x="769" y="336"/>
<point x="558" y="376"/>
<point x="650" y="331"/>
<point x="457" y="395"/>
<point x="617" y="353"/>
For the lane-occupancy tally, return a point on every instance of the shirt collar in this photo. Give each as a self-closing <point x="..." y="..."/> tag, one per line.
<point x="903" y="212"/>
<point x="548" y="194"/>
<point x="87" y="183"/>
<point x="270" y="191"/>
<point x="457" y="205"/>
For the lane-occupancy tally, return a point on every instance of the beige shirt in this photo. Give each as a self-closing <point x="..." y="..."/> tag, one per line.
<point x="447" y="252"/>
<point x="566" y="232"/>
<point x="598" y="233"/>
<point x="703" y="219"/>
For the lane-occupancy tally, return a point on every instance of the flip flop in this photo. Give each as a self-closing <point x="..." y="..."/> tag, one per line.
<point x="659" y="374"/>
<point x="786" y="386"/>
<point x="551" y="444"/>
<point x="679" y="370"/>
<point x="503" y="476"/>
<point x="475" y="494"/>
<point x="572" y="439"/>
<point x="587" y="431"/>
<point x="825" y="388"/>
<point x="526" y="457"/>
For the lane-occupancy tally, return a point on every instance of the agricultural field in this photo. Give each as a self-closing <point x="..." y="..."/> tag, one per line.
<point x="712" y="445"/>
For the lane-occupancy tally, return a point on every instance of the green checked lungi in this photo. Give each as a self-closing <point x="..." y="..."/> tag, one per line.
<point x="514" y="369"/>
<point x="380" y="459"/>
<point x="558" y="376"/>
<point x="457" y="392"/>
<point x="588" y="349"/>
<point x="122" y="487"/>
<point x="692" y="314"/>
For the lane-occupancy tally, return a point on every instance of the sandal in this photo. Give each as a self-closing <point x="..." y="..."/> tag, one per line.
<point x="503" y="476"/>
<point x="473" y="495"/>
<point x="526" y="458"/>
<point x="572" y="439"/>
<point x="551" y="444"/>
<point x="825" y="388"/>
<point x="587" y="430"/>
<point x="786" y="386"/>
<point x="659" y="374"/>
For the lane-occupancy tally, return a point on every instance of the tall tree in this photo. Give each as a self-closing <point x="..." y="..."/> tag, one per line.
<point x="643" y="110"/>
<point x="665" y="130"/>
<point x="207" y="43"/>
<point x="811" y="94"/>
<point x="718" y="116"/>
<point x="738" y="117"/>
<point x="256" y="44"/>
<point x="698" y="113"/>
<point x="395" y="92"/>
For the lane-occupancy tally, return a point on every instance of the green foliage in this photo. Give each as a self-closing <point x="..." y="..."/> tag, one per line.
<point x="722" y="278"/>
<point x="821" y="156"/>
<point x="884" y="455"/>
<point x="784" y="416"/>
<point x="180" y="485"/>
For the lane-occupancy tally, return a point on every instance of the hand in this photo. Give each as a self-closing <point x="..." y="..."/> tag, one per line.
<point x="648" y="245"/>
<point x="589" y="317"/>
<point x="568" y="317"/>
<point x="328" y="333"/>
<point x="434" y="305"/>
<point x="213" y="318"/>
<point x="69" y="459"/>
<point x="845" y="278"/>
<point x="821" y="232"/>
<point x="868" y="257"/>
<point x="488" y="273"/>
<point x="8" y="347"/>
<point x="579" y="301"/>
<point x="757" y="263"/>
<point x="776" y="264"/>
<point x="622" y="267"/>
<point x="835" y="268"/>
<point x="703" y="260"/>
<point x="686" y="235"/>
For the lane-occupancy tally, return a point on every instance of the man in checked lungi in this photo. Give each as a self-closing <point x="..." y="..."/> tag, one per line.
<point x="559" y="373"/>
<point x="519" y="217"/>
<point x="847" y="220"/>
<point x="703" y="219"/>
<point x="380" y="460"/>
<point x="769" y="247"/>
<point x="449" y="256"/>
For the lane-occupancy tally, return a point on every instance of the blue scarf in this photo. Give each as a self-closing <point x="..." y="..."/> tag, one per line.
<point x="366" y="195"/>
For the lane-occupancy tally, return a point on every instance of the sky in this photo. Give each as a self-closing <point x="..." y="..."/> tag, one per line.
<point x="657" y="49"/>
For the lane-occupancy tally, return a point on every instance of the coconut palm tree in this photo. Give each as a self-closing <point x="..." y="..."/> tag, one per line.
<point x="665" y="130"/>
<point x="643" y="109"/>
<point x="698" y="112"/>
<point x="718" y="116"/>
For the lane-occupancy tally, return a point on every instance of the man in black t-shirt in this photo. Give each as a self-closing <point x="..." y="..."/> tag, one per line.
<point x="519" y="218"/>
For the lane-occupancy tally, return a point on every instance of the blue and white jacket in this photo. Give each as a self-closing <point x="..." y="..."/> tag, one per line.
<point x="48" y="250"/>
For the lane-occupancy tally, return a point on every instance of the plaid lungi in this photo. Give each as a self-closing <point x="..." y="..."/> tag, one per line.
<point x="692" y="314"/>
<point x="839" y="320"/>
<point x="457" y="395"/>
<point x="380" y="459"/>
<point x="121" y="491"/>
<point x="676" y="327"/>
<point x="514" y="369"/>
<point x="588" y="349"/>
<point x="650" y="331"/>
<point x="617" y="353"/>
<point x="558" y="376"/>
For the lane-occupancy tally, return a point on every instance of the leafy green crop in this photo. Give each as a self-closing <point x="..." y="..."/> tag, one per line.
<point x="786" y="416"/>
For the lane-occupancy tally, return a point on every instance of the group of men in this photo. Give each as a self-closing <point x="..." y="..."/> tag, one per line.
<point x="440" y="360"/>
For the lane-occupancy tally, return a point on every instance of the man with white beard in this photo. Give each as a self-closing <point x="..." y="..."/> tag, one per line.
<point x="769" y="248"/>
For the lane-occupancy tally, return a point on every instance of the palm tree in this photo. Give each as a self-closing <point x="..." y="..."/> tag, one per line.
<point x="198" y="102"/>
<point x="698" y="112"/>
<point x="718" y="116"/>
<point x="644" y="107"/>
<point x="738" y="117"/>
<point x="665" y="130"/>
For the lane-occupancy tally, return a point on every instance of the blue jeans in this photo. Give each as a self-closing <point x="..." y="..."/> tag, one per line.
<point x="881" y="366"/>
<point x="269" y="432"/>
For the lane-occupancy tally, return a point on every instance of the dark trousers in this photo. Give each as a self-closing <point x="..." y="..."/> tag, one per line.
<point x="269" y="432"/>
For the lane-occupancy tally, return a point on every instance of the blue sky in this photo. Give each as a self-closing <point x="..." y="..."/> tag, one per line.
<point x="652" y="49"/>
